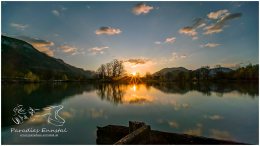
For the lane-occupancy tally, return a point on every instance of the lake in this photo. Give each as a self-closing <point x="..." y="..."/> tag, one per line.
<point x="219" y="110"/>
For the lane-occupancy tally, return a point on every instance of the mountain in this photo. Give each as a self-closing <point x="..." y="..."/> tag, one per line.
<point x="20" y="58"/>
<point x="213" y="71"/>
<point x="170" y="70"/>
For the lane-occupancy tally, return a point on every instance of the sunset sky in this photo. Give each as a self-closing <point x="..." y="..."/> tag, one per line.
<point x="147" y="36"/>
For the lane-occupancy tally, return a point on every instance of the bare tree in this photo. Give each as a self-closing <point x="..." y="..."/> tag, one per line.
<point x="113" y="69"/>
<point x="120" y="69"/>
<point x="109" y="69"/>
<point x="102" y="71"/>
<point x="115" y="64"/>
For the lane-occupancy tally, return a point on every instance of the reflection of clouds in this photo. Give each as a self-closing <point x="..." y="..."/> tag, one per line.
<point x="185" y="105"/>
<point x="137" y="99"/>
<point x="178" y="106"/>
<point x="197" y="131"/>
<point x="220" y="134"/>
<point x="37" y="120"/>
<point x="173" y="124"/>
<point x="96" y="113"/>
<point x="160" y="121"/>
<point x="213" y="117"/>
<point x="66" y="115"/>
<point x="42" y="117"/>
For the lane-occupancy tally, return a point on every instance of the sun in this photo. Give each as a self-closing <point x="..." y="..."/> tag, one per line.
<point x="134" y="73"/>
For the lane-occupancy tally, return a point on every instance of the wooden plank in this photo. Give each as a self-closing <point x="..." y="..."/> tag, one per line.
<point x="139" y="136"/>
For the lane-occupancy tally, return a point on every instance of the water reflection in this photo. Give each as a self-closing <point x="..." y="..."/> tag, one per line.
<point x="116" y="93"/>
<point x="250" y="88"/>
<point x="37" y="96"/>
<point x="111" y="92"/>
<point x="191" y="108"/>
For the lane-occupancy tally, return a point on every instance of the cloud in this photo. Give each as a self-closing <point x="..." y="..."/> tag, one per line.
<point x="198" y="23"/>
<point x="213" y="117"/>
<point x="108" y="31"/>
<point x="214" y="28"/>
<point x="183" y="56"/>
<point x="137" y="61"/>
<point x="59" y="10"/>
<point x="177" y="56"/>
<point x="217" y="14"/>
<point x="98" y="50"/>
<point x="170" y="40"/>
<point x="192" y="30"/>
<point x="55" y="12"/>
<point x="19" y="26"/>
<point x="157" y="42"/>
<point x="141" y="8"/>
<point x="210" y="45"/>
<point x="41" y="45"/>
<point x="221" y="22"/>
<point x="189" y="31"/>
<point x="68" y="49"/>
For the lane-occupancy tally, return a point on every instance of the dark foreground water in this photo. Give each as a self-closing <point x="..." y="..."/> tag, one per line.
<point x="225" y="110"/>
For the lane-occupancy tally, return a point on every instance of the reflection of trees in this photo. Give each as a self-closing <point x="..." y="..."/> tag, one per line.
<point x="250" y="88"/>
<point x="37" y="96"/>
<point x="180" y="87"/>
<point x="111" y="92"/>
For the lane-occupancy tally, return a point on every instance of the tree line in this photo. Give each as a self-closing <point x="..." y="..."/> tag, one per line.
<point x="111" y="70"/>
<point x="249" y="72"/>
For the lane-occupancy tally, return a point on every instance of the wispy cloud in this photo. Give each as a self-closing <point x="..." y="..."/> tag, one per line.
<point x="210" y="45"/>
<point x="218" y="14"/>
<point x="68" y="49"/>
<point x="142" y="8"/>
<point x="136" y="61"/>
<point x="55" y="12"/>
<point x="59" y="10"/>
<point x="192" y="30"/>
<point x="189" y="31"/>
<point x="222" y="19"/>
<point x="19" y="26"/>
<point x="170" y="40"/>
<point x="158" y="42"/>
<point x="108" y="31"/>
<point x="177" y="56"/>
<point x="41" y="45"/>
<point x="98" y="50"/>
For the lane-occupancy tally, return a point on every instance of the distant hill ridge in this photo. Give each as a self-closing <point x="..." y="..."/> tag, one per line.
<point x="212" y="71"/>
<point x="20" y="57"/>
<point x="173" y="69"/>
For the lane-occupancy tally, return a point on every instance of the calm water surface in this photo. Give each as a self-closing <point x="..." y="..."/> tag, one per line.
<point x="224" y="110"/>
